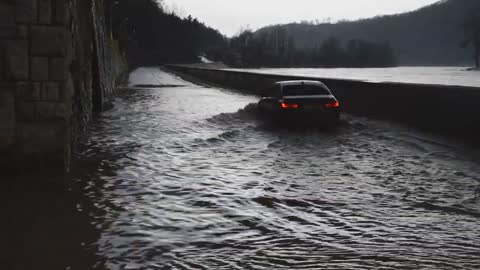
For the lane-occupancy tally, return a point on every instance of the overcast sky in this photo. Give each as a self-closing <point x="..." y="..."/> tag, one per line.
<point x="229" y="16"/>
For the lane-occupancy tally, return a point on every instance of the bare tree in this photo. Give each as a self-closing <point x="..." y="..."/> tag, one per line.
<point x="471" y="26"/>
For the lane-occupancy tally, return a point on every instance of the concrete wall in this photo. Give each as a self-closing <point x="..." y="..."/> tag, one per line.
<point x="446" y="109"/>
<point x="55" y="70"/>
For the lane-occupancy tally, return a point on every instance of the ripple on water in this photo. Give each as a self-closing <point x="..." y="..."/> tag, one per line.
<point x="180" y="185"/>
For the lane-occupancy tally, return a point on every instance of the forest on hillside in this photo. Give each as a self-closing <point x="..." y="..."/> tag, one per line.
<point x="432" y="35"/>
<point x="150" y="35"/>
<point x="440" y="34"/>
<point x="277" y="49"/>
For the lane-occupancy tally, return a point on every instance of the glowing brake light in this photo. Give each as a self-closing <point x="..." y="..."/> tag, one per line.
<point x="334" y="104"/>
<point x="289" y="105"/>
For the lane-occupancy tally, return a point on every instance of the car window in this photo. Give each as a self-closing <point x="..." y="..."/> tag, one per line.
<point x="304" y="90"/>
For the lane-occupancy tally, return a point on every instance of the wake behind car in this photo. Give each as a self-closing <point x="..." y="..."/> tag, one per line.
<point x="300" y="102"/>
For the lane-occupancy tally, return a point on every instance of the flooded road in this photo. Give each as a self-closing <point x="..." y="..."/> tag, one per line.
<point x="187" y="177"/>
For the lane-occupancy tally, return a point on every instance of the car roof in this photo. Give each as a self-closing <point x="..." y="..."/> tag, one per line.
<point x="300" y="82"/>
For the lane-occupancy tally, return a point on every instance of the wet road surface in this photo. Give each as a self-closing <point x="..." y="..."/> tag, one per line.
<point x="182" y="176"/>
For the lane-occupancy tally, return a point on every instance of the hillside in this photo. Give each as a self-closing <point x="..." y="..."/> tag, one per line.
<point x="428" y="36"/>
<point x="152" y="36"/>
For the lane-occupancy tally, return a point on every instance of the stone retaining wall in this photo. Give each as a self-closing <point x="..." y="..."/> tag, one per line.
<point x="55" y="70"/>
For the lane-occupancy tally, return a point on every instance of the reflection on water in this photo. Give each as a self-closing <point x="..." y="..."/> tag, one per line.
<point x="189" y="178"/>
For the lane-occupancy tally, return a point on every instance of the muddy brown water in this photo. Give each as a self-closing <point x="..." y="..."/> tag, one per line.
<point x="189" y="177"/>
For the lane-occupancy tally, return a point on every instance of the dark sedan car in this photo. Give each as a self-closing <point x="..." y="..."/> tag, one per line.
<point x="300" y="102"/>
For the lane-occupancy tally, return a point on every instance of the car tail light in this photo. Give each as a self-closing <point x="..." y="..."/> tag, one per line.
<point x="289" y="105"/>
<point x="334" y="104"/>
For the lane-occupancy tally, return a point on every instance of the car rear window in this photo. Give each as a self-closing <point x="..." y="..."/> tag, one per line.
<point x="304" y="90"/>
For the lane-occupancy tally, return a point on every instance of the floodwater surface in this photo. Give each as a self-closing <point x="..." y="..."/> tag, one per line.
<point x="457" y="76"/>
<point x="181" y="176"/>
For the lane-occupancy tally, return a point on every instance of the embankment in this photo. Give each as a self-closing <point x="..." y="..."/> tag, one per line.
<point x="451" y="110"/>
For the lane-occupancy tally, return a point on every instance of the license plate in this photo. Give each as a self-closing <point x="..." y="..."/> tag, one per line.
<point x="313" y="107"/>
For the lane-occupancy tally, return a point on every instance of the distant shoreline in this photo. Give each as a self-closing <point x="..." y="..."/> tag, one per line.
<point x="447" y="75"/>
